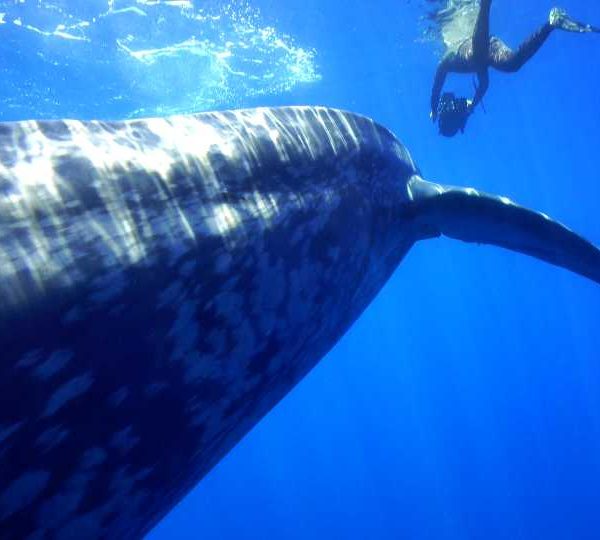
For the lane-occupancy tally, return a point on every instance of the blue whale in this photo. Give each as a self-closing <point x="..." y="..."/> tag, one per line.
<point x="165" y="282"/>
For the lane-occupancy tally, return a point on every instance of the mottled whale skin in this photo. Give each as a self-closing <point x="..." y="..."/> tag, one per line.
<point x="165" y="282"/>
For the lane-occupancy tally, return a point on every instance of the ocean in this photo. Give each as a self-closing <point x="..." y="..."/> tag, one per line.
<point x="465" y="402"/>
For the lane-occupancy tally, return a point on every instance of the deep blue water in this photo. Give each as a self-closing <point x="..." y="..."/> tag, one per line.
<point x="465" y="403"/>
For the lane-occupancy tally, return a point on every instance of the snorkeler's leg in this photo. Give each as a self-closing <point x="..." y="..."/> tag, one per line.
<point x="559" y="18"/>
<point x="505" y="59"/>
<point x="481" y="34"/>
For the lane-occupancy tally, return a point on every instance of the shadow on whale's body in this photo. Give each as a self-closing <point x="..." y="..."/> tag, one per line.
<point x="165" y="282"/>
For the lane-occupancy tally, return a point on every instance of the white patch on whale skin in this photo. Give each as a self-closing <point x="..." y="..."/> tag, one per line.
<point x="184" y="331"/>
<point x="245" y="341"/>
<point x="217" y="340"/>
<point x="198" y="368"/>
<point x="117" y="397"/>
<point x="123" y="488"/>
<point x="22" y="492"/>
<point x="57" y="509"/>
<point x="155" y="388"/>
<point x="51" y="438"/>
<point x="187" y="268"/>
<point x="171" y="296"/>
<point x="267" y="294"/>
<point x="29" y="359"/>
<point x="53" y="364"/>
<point x="208" y="418"/>
<point x="75" y="314"/>
<point x="300" y="295"/>
<point x="269" y="287"/>
<point x="124" y="440"/>
<point x="93" y="457"/>
<point x="68" y="391"/>
<point x="7" y="430"/>
<point x="107" y="287"/>
<point x="83" y="526"/>
<point x="222" y="263"/>
<point x="230" y="304"/>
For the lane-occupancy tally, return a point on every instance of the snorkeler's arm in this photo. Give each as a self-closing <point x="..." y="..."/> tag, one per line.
<point x="484" y="82"/>
<point x="438" y="84"/>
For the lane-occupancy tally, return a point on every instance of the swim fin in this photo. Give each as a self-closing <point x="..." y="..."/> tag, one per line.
<point x="559" y="18"/>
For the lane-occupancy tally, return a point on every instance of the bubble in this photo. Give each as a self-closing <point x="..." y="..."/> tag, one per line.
<point x="132" y="58"/>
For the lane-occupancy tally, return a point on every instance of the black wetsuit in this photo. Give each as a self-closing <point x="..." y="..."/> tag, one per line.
<point x="480" y="52"/>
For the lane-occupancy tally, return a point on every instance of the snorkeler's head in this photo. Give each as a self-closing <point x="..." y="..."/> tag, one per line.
<point x="453" y="113"/>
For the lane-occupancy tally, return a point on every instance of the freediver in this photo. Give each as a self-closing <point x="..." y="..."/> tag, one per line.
<point x="482" y="51"/>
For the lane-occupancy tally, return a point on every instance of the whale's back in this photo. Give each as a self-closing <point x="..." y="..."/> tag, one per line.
<point x="165" y="282"/>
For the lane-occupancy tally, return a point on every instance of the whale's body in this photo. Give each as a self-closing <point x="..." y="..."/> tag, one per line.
<point x="165" y="282"/>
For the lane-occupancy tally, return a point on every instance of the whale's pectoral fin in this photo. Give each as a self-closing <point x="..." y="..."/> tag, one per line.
<point x="471" y="216"/>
